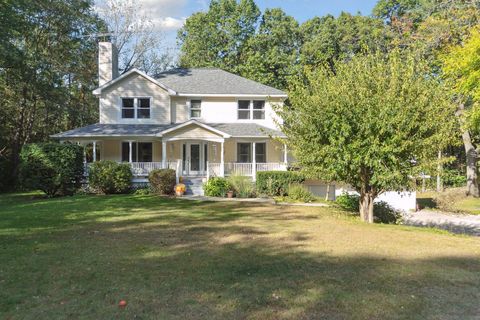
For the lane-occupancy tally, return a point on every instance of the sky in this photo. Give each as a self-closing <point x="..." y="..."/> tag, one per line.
<point x="169" y="15"/>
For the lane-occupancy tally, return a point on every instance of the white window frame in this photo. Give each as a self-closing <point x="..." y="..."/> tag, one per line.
<point x="251" y="149"/>
<point x="135" y="107"/>
<point x="190" y="108"/>
<point x="136" y="149"/>
<point x="251" y="109"/>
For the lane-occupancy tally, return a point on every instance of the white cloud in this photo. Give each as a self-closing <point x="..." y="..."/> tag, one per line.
<point x="169" y="23"/>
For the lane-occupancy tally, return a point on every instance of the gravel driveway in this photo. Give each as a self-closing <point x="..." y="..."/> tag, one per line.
<point x="456" y="223"/>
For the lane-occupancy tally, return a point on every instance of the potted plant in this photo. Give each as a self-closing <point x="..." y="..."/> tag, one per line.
<point x="230" y="194"/>
<point x="180" y="189"/>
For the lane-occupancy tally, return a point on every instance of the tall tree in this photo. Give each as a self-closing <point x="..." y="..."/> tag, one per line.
<point x="329" y="39"/>
<point x="461" y="67"/>
<point x="47" y="86"/>
<point x="374" y="124"/>
<point x="271" y="55"/>
<point x="216" y="38"/>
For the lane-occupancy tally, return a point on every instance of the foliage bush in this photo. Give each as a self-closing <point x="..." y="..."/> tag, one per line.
<point x="454" y="178"/>
<point x="216" y="187"/>
<point x="275" y="183"/>
<point x="53" y="168"/>
<point x="142" y="192"/>
<point x="162" y="181"/>
<point x="299" y="192"/>
<point x="242" y="186"/>
<point x="110" y="177"/>
<point x="6" y="180"/>
<point x="349" y="202"/>
<point x="382" y="211"/>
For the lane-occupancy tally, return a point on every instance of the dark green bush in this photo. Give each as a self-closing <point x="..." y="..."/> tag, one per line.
<point x="217" y="187"/>
<point x="382" y="211"/>
<point x="110" y="177"/>
<point x="53" y="168"/>
<point x="6" y="178"/>
<point x="275" y="183"/>
<point x="298" y="192"/>
<point x="162" y="181"/>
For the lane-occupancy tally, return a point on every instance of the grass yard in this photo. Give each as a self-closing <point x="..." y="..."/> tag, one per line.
<point x="77" y="257"/>
<point x="451" y="200"/>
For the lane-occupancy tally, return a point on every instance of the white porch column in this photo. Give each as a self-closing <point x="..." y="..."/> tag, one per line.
<point x="222" y="163"/>
<point x="130" y="152"/>
<point x="84" y="145"/>
<point x="254" y="162"/>
<point x="285" y="154"/>
<point x="164" y="154"/>
<point x="94" y="151"/>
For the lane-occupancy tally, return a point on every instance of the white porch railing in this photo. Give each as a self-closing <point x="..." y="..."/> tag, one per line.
<point x="142" y="169"/>
<point x="243" y="169"/>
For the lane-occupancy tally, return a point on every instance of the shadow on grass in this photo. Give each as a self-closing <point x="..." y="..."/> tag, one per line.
<point x="173" y="259"/>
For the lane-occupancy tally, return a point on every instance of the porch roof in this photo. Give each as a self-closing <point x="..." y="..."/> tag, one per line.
<point x="100" y="130"/>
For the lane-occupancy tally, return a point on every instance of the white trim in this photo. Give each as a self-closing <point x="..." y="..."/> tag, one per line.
<point x="202" y="125"/>
<point x="213" y="95"/>
<point x="99" y="90"/>
<point x="190" y="138"/>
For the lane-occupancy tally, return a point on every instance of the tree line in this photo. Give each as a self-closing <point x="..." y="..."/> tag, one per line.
<point x="48" y="58"/>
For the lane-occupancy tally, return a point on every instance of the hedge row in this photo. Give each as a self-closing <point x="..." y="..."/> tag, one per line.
<point x="276" y="183"/>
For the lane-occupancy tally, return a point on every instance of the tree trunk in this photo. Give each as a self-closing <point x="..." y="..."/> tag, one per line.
<point x="366" y="207"/>
<point x="471" y="153"/>
<point x="439" y="173"/>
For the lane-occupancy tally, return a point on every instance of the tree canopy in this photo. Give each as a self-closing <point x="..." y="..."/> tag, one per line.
<point x="374" y="124"/>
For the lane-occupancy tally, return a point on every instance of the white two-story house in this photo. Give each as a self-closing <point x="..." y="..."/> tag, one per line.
<point x="200" y="122"/>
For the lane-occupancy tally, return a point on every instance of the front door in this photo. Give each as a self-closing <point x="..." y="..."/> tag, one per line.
<point x="194" y="150"/>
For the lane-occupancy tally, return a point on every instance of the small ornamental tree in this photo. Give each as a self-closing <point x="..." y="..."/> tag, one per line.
<point x="374" y="124"/>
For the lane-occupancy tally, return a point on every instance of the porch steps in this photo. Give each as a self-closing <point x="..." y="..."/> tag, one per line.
<point x="194" y="186"/>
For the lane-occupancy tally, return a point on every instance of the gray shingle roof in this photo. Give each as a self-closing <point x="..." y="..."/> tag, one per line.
<point x="106" y="130"/>
<point x="246" y="130"/>
<point x="213" y="81"/>
<point x="148" y="130"/>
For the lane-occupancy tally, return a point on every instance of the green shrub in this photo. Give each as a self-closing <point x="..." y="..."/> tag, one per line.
<point x="110" y="177"/>
<point x="275" y="183"/>
<point x="53" y="168"/>
<point x="382" y="211"/>
<point x="298" y="192"/>
<point x="242" y="186"/>
<point x="162" y="181"/>
<point x="349" y="202"/>
<point x="6" y="178"/>
<point x="216" y="187"/>
<point x="142" y="192"/>
<point x="453" y="178"/>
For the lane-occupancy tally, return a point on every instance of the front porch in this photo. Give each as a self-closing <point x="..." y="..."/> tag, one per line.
<point x="192" y="149"/>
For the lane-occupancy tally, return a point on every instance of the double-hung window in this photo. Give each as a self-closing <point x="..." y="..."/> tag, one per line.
<point x="141" y="152"/>
<point x="138" y="108"/>
<point x="143" y="108"/>
<point x="251" y="109"/>
<point x="195" y="109"/>
<point x="245" y="150"/>
<point x="128" y="108"/>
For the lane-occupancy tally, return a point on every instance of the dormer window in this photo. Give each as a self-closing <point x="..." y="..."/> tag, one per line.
<point x="195" y="109"/>
<point x="251" y="109"/>
<point x="138" y="108"/>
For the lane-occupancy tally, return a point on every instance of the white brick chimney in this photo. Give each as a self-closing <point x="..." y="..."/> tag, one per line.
<point x="107" y="62"/>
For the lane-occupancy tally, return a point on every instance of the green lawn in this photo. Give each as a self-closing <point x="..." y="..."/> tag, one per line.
<point x="452" y="200"/>
<point x="77" y="257"/>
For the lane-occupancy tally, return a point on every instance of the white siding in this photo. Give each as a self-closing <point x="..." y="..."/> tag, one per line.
<point x="221" y="110"/>
<point x="134" y="86"/>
